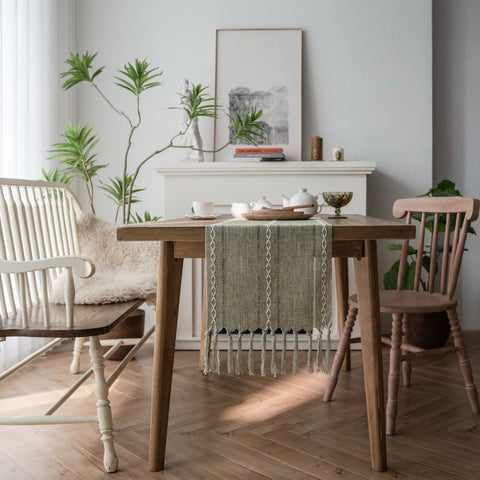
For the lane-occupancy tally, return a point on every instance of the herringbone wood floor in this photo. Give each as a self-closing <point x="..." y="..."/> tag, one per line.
<point x="246" y="428"/>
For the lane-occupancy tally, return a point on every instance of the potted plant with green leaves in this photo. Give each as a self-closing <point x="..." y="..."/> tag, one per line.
<point x="429" y="330"/>
<point x="76" y="154"/>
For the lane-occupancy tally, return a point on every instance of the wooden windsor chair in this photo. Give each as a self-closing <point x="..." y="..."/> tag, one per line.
<point x="38" y="241"/>
<point x="457" y="213"/>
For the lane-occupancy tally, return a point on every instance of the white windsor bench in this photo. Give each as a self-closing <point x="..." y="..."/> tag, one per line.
<point x="38" y="241"/>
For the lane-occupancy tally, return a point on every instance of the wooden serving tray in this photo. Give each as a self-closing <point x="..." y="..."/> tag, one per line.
<point x="277" y="215"/>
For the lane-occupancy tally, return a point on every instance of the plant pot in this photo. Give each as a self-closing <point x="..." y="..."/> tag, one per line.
<point x="429" y="330"/>
<point x="132" y="327"/>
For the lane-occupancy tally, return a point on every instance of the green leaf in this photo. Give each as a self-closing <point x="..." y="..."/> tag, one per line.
<point x="410" y="276"/>
<point x="79" y="70"/>
<point x="247" y="126"/>
<point x="426" y="262"/>
<point x="147" y="217"/>
<point x="444" y="188"/>
<point x="196" y="104"/>
<point x="394" y="246"/>
<point x="75" y="152"/>
<point x="445" y="185"/>
<point x="114" y="190"/>
<point x="138" y="77"/>
<point x="55" y="175"/>
<point x="397" y="246"/>
<point x="390" y="278"/>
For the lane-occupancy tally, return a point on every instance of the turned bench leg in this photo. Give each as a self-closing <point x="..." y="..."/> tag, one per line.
<point x="104" y="411"/>
<point x="77" y="352"/>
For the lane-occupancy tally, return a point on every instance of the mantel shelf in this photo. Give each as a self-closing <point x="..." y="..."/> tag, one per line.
<point x="270" y="168"/>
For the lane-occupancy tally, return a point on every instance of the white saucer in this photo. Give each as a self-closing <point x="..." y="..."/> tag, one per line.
<point x="203" y="217"/>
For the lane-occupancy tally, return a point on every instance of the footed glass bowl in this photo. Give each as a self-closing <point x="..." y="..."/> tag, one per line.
<point x="337" y="200"/>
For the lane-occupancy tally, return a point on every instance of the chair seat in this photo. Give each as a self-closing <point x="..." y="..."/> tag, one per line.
<point x="89" y="320"/>
<point x="408" y="301"/>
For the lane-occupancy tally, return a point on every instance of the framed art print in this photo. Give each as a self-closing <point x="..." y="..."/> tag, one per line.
<point x="260" y="68"/>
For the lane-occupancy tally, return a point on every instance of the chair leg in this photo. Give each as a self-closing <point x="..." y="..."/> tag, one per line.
<point x="394" y="373"/>
<point x="463" y="359"/>
<point x="343" y="346"/>
<point x="104" y="411"/>
<point x="77" y="351"/>
<point x="406" y="364"/>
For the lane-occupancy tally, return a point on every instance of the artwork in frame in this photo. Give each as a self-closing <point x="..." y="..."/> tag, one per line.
<point x="262" y="68"/>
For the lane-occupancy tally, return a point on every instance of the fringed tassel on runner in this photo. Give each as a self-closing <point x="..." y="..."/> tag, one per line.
<point x="295" y="352"/>
<point x="238" y="363"/>
<point x="319" y="363"/>
<point x="206" y="351"/>
<point x="273" y="363"/>
<point x="319" y="350"/>
<point x="284" y="353"/>
<point x="264" y="352"/>
<point x="230" y="353"/>
<point x="250" y="354"/>
<point x="215" y="355"/>
<point x="309" y="355"/>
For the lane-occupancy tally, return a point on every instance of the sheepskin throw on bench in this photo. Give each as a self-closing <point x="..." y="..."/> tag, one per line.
<point x="123" y="270"/>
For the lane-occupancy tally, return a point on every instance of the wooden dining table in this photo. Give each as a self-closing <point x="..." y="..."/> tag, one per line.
<point x="354" y="236"/>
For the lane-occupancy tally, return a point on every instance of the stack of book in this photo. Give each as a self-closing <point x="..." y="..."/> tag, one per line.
<point x="258" y="155"/>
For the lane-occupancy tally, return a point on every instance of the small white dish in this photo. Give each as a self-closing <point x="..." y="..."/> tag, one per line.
<point x="203" y="217"/>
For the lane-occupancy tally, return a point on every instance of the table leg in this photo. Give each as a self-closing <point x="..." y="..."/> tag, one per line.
<point x="341" y="282"/>
<point x="366" y="276"/>
<point x="166" y="316"/>
<point x="203" y="333"/>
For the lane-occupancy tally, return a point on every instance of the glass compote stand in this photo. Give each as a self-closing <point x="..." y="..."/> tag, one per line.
<point x="337" y="200"/>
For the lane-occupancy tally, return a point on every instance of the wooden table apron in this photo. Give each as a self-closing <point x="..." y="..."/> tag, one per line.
<point x="352" y="237"/>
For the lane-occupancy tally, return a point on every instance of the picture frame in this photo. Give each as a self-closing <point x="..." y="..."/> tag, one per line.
<point x="263" y="68"/>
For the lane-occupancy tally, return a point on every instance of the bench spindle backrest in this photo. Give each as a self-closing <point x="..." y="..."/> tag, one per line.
<point x="37" y="221"/>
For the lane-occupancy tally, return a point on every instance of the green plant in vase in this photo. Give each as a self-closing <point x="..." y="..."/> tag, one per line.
<point x="76" y="155"/>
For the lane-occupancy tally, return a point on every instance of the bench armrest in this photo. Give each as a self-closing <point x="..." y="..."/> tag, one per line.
<point x="81" y="266"/>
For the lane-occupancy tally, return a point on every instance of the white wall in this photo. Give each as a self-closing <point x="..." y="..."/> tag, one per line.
<point x="366" y="77"/>
<point x="456" y="116"/>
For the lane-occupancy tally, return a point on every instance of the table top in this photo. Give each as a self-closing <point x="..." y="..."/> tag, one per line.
<point x="354" y="227"/>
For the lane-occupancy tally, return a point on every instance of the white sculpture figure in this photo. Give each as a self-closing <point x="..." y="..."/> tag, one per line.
<point x="192" y="134"/>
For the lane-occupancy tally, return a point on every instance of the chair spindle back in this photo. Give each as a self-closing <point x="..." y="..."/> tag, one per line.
<point x="448" y="215"/>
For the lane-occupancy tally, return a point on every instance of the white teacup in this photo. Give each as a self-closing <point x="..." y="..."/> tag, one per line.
<point x="202" y="209"/>
<point x="238" y="208"/>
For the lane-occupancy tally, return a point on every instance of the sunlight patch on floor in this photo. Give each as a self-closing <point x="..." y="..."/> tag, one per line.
<point x="40" y="401"/>
<point x="285" y="393"/>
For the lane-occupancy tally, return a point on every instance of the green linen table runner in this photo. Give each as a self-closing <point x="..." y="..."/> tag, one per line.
<point x="272" y="277"/>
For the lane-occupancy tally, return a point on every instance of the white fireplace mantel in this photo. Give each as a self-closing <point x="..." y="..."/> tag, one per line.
<point x="227" y="182"/>
<point x="270" y="168"/>
<point x="182" y="182"/>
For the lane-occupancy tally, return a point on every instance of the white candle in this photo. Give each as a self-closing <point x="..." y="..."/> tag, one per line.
<point x="337" y="154"/>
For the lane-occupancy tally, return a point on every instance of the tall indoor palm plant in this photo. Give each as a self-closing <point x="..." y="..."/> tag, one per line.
<point x="76" y="154"/>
